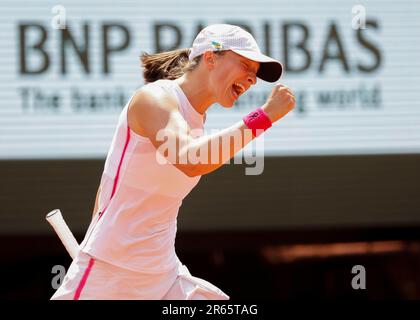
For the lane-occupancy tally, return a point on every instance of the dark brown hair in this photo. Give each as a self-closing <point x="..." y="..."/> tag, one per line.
<point x="168" y="65"/>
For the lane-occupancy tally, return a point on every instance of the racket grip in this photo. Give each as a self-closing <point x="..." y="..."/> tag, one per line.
<point x="56" y="220"/>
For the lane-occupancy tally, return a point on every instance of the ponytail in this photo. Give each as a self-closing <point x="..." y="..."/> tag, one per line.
<point x="167" y="65"/>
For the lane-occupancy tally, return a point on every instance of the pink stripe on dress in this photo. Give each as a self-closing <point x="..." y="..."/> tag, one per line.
<point x="91" y="261"/>
<point x="114" y="187"/>
<point x="83" y="280"/>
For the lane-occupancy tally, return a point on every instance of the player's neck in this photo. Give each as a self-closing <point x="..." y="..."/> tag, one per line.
<point x="198" y="95"/>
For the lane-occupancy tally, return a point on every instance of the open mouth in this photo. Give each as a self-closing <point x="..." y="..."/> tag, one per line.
<point x="237" y="89"/>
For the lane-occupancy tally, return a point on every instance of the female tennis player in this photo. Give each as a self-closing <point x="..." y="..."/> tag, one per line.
<point x="129" y="249"/>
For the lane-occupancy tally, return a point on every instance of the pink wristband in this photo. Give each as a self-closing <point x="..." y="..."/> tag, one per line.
<point x="257" y="119"/>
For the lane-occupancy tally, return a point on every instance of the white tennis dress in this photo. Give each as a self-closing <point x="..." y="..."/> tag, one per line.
<point x="129" y="249"/>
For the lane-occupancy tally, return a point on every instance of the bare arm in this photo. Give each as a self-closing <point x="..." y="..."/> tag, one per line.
<point x="152" y="111"/>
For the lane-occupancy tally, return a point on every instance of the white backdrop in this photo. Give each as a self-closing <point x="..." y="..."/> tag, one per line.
<point x="358" y="90"/>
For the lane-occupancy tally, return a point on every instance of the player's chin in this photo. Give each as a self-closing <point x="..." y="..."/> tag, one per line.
<point x="227" y="103"/>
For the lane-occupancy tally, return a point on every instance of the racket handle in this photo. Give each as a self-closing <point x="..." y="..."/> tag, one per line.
<point x="56" y="220"/>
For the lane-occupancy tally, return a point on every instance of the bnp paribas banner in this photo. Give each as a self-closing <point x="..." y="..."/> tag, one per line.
<point x="69" y="67"/>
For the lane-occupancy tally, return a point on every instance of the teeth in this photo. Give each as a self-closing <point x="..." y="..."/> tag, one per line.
<point x="240" y="86"/>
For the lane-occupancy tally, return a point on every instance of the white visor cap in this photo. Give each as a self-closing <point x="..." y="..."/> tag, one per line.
<point x="220" y="37"/>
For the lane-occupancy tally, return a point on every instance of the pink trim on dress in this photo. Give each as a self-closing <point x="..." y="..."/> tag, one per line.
<point x="83" y="280"/>
<point x="114" y="187"/>
<point x="91" y="261"/>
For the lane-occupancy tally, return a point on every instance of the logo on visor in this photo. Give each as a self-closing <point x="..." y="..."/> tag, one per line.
<point x="216" y="45"/>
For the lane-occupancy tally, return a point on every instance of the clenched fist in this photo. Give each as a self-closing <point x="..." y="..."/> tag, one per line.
<point x="280" y="102"/>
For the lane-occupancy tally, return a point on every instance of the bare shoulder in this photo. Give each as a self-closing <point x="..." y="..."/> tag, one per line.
<point x="154" y="97"/>
<point x="149" y="108"/>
